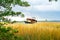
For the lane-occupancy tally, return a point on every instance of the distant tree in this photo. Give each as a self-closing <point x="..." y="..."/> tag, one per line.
<point x="8" y="9"/>
<point x="46" y="20"/>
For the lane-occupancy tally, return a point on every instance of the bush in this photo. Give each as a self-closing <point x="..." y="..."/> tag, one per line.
<point x="7" y="33"/>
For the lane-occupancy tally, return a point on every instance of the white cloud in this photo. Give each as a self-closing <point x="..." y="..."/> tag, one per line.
<point x="39" y="5"/>
<point x="32" y="1"/>
<point x="54" y="6"/>
<point x="44" y="5"/>
<point x="47" y="7"/>
<point x="41" y="2"/>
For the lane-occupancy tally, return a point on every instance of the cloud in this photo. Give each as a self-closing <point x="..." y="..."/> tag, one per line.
<point x="44" y="6"/>
<point x="41" y="2"/>
<point x="37" y="2"/>
<point x="54" y="6"/>
<point x="32" y="2"/>
<point x="47" y="7"/>
<point x="37" y="6"/>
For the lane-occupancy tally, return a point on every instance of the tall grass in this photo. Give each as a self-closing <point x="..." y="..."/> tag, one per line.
<point x="37" y="31"/>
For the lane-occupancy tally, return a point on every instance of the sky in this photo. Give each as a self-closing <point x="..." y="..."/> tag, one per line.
<point x="40" y="9"/>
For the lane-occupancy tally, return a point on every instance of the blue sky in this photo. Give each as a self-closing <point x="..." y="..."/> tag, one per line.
<point x="41" y="9"/>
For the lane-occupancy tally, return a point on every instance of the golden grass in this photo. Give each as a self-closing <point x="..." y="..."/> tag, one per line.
<point x="38" y="31"/>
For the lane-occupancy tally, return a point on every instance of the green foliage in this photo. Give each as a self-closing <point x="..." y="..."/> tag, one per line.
<point x="22" y="15"/>
<point x="15" y="31"/>
<point x="10" y="13"/>
<point x="7" y="33"/>
<point x="8" y="9"/>
<point x="7" y="3"/>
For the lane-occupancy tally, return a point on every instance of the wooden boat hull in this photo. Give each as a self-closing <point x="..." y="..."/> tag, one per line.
<point x="27" y="22"/>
